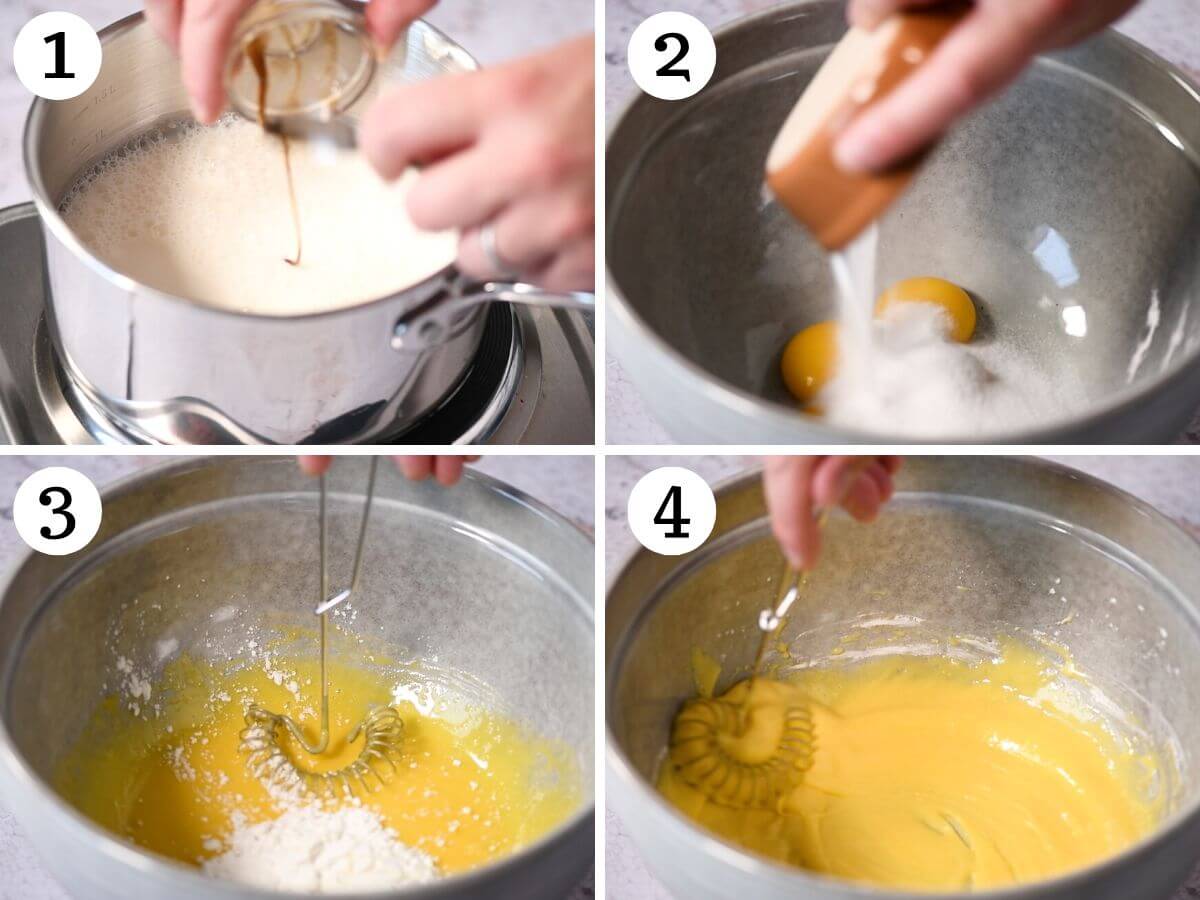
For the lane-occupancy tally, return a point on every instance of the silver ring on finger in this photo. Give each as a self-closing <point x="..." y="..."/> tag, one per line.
<point x="487" y="243"/>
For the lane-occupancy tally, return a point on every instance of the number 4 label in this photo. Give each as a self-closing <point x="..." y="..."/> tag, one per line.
<point x="57" y="511"/>
<point x="671" y="55"/>
<point x="672" y="511"/>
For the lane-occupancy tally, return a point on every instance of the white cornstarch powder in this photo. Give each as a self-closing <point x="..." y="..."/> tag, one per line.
<point x="317" y="850"/>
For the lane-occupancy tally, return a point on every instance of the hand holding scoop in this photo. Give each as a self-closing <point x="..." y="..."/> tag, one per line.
<point x="863" y="68"/>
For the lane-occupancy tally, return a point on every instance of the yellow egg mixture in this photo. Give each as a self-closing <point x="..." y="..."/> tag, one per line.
<point x="934" y="774"/>
<point x="471" y="785"/>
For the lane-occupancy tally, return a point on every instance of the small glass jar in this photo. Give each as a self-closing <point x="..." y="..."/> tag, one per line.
<point x="294" y="60"/>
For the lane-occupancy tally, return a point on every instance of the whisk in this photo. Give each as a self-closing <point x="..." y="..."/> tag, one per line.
<point x="382" y="730"/>
<point x="708" y="733"/>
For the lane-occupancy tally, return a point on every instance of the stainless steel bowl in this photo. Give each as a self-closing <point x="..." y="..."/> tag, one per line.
<point x="970" y="545"/>
<point x="1066" y="205"/>
<point x="171" y="370"/>
<point x="481" y="577"/>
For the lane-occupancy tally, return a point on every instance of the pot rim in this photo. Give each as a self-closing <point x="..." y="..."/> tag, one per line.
<point x="13" y="763"/>
<point x="622" y="771"/>
<point x="53" y="221"/>
<point x="745" y="403"/>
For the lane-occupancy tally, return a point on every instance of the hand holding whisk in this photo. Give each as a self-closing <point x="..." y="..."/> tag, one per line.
<point x="752" y="750"/>
<point x="382" y="730"/>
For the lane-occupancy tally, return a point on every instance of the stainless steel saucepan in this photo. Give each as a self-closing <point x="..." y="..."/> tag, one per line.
<point x="172" y="370"/>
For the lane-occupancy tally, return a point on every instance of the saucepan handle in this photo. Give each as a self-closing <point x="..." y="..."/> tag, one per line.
<point x="437" y="320"/>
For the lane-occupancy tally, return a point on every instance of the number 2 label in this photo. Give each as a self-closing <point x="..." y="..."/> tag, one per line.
<point x="671" y="55"/>
<point x="669" y="69"/>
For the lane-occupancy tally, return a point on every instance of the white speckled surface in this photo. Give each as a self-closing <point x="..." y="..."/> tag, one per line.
<point x="564" y="483"/>
<point x="1166" y="482"/>
<point x="1168" y="27"/>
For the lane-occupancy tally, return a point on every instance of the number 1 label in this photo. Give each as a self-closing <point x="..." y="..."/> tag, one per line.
<point x="57" y="55"/>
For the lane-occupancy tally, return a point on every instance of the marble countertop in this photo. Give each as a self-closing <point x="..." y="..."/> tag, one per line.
<point x="1166" y="482"/>
<point x="1168" y="27"/>
<point x="491" y="32"/>
<point x="564" y="483"/>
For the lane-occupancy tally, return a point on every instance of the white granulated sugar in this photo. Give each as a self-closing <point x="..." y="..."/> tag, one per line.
<point x="315" y="850"/>
<point x="913" y="381"/>
<point x="900" y="373"/>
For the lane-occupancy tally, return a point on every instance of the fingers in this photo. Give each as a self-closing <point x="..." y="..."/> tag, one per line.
<point x="446" y="469"/>
<point x="531" y="235"/>
<point x="415" y="468"/>
<point x="860" y="488"/>
<point x="787" y="485"/>
<point x="985" y="52"/>
<point x="315" y="465"/>
<point x="164" y="17"/>
<point x="205" y="33"/>
<point x="572" y="270"/>
<point x="468" y="189"/>
<point x="387" y="18"/>
<point x="416" y="123"/>
<point x="869" y="13"/>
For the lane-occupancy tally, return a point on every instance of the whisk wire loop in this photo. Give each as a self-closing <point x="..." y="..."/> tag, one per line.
<point x="382" y="730"/>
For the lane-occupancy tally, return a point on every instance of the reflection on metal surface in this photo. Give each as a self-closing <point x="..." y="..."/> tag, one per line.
<point x="1053" y="256"/>
<point x="1075" y="321"/>
<point x="1153" y="317"/>
<point x="528" y="356"/>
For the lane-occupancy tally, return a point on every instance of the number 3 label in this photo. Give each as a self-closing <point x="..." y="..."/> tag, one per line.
<point x="671" y="55"/>
<point x="672" y="511"/>
<point x="57" y="511"/>
<point x="57" y="55"/>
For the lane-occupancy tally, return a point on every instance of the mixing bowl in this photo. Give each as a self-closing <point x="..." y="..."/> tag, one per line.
<point x="171" y="370"/>
<point x="1070" y="207"/>
<point x="481" y="578"/>
<point x="970" y="546"/>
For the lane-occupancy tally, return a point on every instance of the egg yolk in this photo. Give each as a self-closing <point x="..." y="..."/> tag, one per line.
<point x="950" y="297"/>
<point x="810" y="357"/>
<point x="809" y="360"/>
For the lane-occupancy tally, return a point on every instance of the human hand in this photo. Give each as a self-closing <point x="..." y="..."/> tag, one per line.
<point x="446" y="469"/>
<point x="796" y="487"/>
<point x="200" y="32"/>
<point x="986" y="51"/>
<point x="511" y="147"/>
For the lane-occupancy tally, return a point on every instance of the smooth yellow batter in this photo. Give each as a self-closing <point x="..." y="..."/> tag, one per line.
<point x="931" y="774"/>
<point x="472" y="786"/>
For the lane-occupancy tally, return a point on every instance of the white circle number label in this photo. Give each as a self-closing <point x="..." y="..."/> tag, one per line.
<point x="57" y="511"/>
<point x="672" y="511"/>
<point x="671" y="55"/>
<point x="57" y="55"/>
